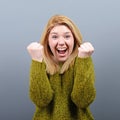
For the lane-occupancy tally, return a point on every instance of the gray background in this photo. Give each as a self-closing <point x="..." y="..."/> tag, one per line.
<point x="22" y="22"/>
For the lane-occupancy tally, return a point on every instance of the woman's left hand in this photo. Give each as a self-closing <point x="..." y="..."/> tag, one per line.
<point x="85" y="50"/>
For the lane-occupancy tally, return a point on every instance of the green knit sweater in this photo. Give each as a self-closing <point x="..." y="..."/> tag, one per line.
<point x="63" y="96"/>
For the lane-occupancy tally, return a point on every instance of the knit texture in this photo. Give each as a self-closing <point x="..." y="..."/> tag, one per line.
<point x="63" y="96"/>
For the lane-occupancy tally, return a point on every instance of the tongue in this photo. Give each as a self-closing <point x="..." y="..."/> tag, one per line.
<point x="61" y="51"/>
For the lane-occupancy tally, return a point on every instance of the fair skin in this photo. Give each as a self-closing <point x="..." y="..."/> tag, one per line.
<point x="61" y="43"/>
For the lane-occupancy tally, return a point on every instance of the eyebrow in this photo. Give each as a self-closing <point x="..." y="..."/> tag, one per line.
<point x="57" y="33"/>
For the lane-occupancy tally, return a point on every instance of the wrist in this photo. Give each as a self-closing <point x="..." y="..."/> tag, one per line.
<point x="38" y="60"/>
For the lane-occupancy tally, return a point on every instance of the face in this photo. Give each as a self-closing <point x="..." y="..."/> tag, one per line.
<point x="61" y="43"/>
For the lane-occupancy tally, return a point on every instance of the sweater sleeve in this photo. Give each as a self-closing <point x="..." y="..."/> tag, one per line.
<point x="83" y="93"/>
<point x="40" y="90"/>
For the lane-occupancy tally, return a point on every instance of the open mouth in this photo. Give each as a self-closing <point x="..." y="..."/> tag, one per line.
<point x="62" y="50"/>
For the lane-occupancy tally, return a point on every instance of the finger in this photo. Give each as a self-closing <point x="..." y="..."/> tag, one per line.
<point x="90" y="46"/>
<point x="32" y="45"/>
<point x="84" y="47"/>
<point x="80" y="49"/>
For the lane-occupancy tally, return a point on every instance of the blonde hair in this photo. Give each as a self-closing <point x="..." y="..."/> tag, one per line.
<point x="51" y="66"/>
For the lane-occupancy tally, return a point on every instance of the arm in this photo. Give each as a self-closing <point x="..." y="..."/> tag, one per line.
<point x="83" y="92"/>
<point x="40" y="90"/>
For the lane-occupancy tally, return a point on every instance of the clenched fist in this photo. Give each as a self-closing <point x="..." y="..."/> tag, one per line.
<point x="85" y="50"/>
<point x="35" y="50"/>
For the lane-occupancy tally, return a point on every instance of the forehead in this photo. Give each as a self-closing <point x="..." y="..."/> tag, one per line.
<point x="60" y="29"/>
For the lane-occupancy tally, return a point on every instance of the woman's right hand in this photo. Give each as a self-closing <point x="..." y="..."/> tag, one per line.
<point x="35" y="50"/>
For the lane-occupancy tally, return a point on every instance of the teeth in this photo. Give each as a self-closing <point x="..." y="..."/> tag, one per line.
<point x="61" y="48"/>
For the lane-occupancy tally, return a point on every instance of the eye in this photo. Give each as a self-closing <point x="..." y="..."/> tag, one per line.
<point x="67" y="36"/>
<point x="54" y="36"/>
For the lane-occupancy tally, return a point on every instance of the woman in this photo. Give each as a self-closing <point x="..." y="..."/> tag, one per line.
<point x="62" y="73"/>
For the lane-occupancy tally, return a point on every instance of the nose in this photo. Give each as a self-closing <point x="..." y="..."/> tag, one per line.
<point x="61" y="41"/>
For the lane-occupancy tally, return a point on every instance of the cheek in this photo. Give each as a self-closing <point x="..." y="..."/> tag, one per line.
<point x="71" y="45"/>
<point x="51" y="46"/>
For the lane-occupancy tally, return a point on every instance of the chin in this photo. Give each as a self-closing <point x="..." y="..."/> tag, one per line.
<point x="62" y="60"/>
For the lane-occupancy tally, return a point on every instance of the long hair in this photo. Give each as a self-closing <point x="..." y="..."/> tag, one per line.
<point x="51" y="66"/>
